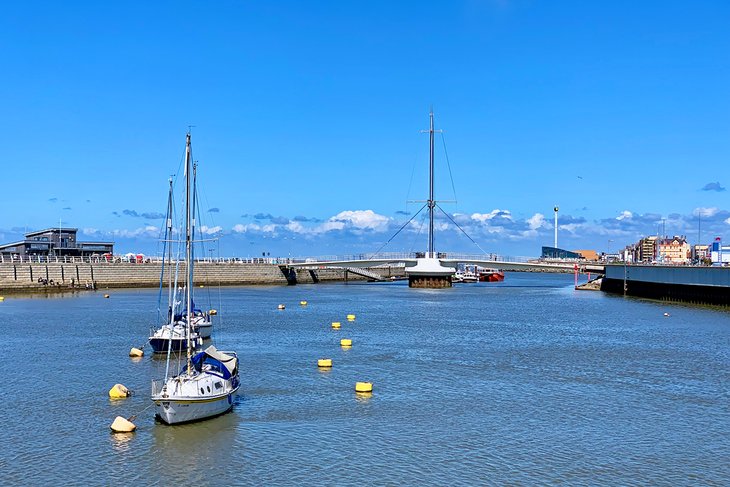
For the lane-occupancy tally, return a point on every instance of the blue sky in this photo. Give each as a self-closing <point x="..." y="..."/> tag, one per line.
<point x="307" y="119"/>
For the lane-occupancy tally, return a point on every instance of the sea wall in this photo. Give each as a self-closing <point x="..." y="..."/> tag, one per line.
<point x="63" y="276"/>
<point x="704" y="285"/>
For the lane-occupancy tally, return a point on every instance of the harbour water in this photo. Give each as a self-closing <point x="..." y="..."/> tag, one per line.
<point x="522" y="382"/>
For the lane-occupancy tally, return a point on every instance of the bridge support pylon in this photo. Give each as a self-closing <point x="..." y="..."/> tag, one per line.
<point x="429" y="282"/>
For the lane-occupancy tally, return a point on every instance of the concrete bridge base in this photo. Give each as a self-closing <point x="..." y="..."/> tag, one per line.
<point x="429" y="282"/>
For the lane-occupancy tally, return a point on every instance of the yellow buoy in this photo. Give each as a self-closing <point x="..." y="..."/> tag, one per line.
<point x="363" y="387"/>
<point x="346" y="342"/>
<point x="324" y="362"/>
<point x="213" y="312"/>
<point x="106" y="296"/>
<point x="336" y="325"/>
<point x="281" y="306"/>
<point x="122" y="425"/>
<point x="202" y="285"/>
<point x="303" y="303"/>
<point x="2" y="298"/>
<point x="350" y="317"/>
<point x="136" y="352"/>
<point x="118" y="391"/>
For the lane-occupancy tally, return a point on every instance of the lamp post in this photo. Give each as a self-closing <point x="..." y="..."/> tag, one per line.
<point x="556" y="227"/>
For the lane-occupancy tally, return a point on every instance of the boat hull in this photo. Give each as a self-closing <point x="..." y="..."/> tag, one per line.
<point x="204" y="330"/>
<point x="160" y="345"/>
<point x="493" y="276"/>
<point x="186" y="410"/>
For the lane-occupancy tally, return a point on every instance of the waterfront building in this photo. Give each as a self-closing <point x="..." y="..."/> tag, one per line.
<point x="674" y="250"/>
<point x="648" y="249"/>
<point x="556" y="253"/>
<point x="700" y="253"/>
<point x="719" y="253"/>
<point x="588" y="254"/>
<point x="54" y="242"/>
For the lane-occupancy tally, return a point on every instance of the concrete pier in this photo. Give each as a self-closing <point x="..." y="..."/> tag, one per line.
<point x="49" y="277"/>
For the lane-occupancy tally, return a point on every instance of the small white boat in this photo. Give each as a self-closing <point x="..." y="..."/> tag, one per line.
<point x="173" y="337"/>
<point x="201" y="323"/>
<point x="205" y="387"/>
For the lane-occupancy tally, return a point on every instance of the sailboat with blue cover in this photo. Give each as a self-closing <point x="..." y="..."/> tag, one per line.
<point x="207" y="383"/>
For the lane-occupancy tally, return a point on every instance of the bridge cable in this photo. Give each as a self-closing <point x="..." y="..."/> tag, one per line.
<point x="418" y="234"/>
<point x="448" y="164"/>
<point x="462" y="230"/>
<point x="400" y="229"/>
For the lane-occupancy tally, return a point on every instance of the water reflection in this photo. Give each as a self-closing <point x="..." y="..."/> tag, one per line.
<point x="121" y="442"/>
<point x="363" y="397"/>
<point x="189" y="453"/>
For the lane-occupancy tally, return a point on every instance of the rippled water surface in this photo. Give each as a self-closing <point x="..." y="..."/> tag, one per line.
<point x="518" y="383"/>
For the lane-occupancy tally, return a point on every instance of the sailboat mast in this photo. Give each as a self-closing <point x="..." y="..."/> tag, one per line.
<point x="431" y="202"/>
<point x="188" y="246"/>
<point x="168" y="236"/>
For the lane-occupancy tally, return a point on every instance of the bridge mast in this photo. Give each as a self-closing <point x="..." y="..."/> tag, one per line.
<point x="431" y="202"/>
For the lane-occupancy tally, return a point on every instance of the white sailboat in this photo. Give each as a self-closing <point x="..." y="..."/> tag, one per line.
<point x="172" y="334"/>
<point x="209" y="379"/>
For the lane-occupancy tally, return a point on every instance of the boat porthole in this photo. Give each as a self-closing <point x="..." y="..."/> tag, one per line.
<point x="202" y="391"/>
<point x="208" y="387"/>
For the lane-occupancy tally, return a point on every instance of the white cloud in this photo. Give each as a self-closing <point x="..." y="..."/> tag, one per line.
<point x="570" y="227"/>
<point x="537" y="221"/>
<point x="483" y="217"/>
<point x="625" y="215"/>
<point x="210" y="230"/>
<point x="356" y="220"/>
<point x="727" y="221"/>
<point x="706" y="212"/>
<point x="296" y="227"/>
<point x="249" y="227"/>
<point x="146" y="231"/>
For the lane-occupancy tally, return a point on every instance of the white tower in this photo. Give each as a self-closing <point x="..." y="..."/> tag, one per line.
<point x="556" y="227"/>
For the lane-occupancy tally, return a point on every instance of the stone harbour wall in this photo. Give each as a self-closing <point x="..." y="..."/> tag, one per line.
<point x="63" y="276"/>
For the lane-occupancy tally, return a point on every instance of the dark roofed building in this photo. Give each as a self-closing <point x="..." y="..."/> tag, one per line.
<point x="556" y="253"/>
<point x="55" y="242"/>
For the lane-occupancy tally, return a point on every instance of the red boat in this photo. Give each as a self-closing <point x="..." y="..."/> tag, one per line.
<point x="490" y="275"/>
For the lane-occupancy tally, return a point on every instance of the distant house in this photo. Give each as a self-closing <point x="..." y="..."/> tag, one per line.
<point x="674" y="250"/>
<point x="54" y="242"/>
<point x="588" y="254"/>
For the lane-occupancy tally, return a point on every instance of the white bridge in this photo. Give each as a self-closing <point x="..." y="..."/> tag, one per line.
<point x="359" y="263"/>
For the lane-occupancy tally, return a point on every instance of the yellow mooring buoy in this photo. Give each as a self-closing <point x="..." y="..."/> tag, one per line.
<point x="363" y="387"/>
<point x="213" y="312"/>
<point x="324" y="363"/>
<point x="2" y="298"/>
<point x="281" y="306"/>
<point x="122" y="425"/>
<point x="303" y="303"/>
<point x="336" y="325"/>
<point x="136" y="352"/>
<point x="106" y="296"/>
<point x="118" y="391"/>
<point x="346" y="342"/>
<point x="350" y="317"/>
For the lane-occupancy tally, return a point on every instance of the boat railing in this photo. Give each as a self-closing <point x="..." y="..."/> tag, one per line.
<point x="157" y="385"/>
